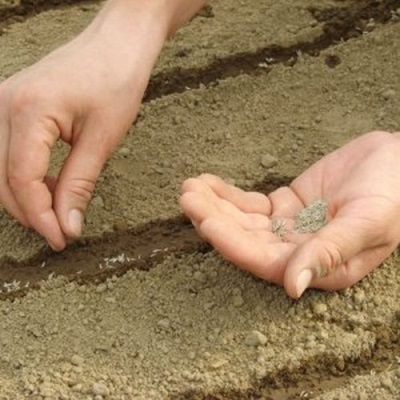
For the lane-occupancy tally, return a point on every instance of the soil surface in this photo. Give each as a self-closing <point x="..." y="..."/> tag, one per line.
<point x="140" y="308"/>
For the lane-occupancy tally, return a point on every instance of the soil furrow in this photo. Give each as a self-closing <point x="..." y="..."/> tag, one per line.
<point x="340" y="24"/>
<point x="316" y="375"/>
<point x="27" y="8"/>
<point x="139" y="248"/>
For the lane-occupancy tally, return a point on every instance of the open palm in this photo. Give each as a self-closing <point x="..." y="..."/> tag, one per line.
<point x="361" y="184"/>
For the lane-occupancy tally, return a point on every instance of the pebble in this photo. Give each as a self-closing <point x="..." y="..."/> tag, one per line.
<point x="237" y="301"/>
<point x="164" y="323"/>
<point x="101" y="288"/>
<point x="359" y="297"/>
<point x="388" y="94"/>
<point x="387" y="383"/>
<point x="76" y="360"/>
<point x="100" y="389"/>
<point x="255" y="338"/>
<point x="124" y="151"/>
<point x="199" y="277"/>
<point x="268" y="161"/>
<point x="110" y="300"/>
<point x="46" y="390"/>
<point x="97" y="201"/>
<point x="319" y="308"/>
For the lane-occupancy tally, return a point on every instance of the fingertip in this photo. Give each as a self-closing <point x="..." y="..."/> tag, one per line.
<point x="188" y="185"/>
<point x="57" y="246"/>
<point x="74" y="223"/>
<point x="300" y="283"/>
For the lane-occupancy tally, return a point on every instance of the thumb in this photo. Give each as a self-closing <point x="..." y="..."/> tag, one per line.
<point x="78" y="177"/>
<point x="326" y="253"/>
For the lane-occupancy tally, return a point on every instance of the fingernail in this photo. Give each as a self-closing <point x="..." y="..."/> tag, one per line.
<point x="75" y="222"/>
<point x="52" y="245"/>
<point x="303" y="281"/>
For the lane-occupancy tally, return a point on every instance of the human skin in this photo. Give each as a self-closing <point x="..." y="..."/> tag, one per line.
<point x="361" y="184"/>
<point x="87" y="93"/>
<point x="84" y="93"/>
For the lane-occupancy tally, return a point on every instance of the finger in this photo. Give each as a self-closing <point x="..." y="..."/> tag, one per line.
<point x="29" y="156"/>
<point x="198" y="207"/>
<point x="285" y="202"/>
<point x="7" y="199"/>
<point x="355" y="269"/>
<point x="196" y="185"/>
<point x="330" y="248"/>
<point x="259" y="252"/>
<point x="78" y="176"/>
<point x="248" y="202"/>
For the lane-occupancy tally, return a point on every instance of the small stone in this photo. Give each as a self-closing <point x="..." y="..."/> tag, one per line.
<point x="70" y="287"/>
<point x="111" y="300"/>
<point x="388" y="94"/>
<point x="100" y="389"/>
<point x="164" y="323"/>
<point x="124" y="151"/>
<point x="218" y="363"/>
<point x="98" y="202"/>
<point x="319" y="308"/>
<point x="359" y="297"/>
<point x="387" y="383"/>
<point x="46" y="390"/>
<point x="199" y="277"/>
<point x="237" y="301"/>
<point x="255" y="338"/>
<point x="101" y="288"/>
<point x="268" y="161"/>
<point x="76" y="360"/>
<point x="78" y="388"/>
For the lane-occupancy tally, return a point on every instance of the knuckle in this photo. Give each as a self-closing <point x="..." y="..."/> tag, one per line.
<point x="25" y="98"/>
<point x="22" y="100"/>
<point x="82" y="189"/>
<point x="330" y="256"/>
<point x="16" y="180"/>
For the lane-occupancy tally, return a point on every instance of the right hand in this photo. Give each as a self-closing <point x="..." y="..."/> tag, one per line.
<point x="87" y="93"/>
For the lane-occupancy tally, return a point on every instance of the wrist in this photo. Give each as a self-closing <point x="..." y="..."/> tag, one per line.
<point x="127" y="36"/>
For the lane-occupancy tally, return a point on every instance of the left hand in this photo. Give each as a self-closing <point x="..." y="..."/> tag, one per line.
<point x="361" y="184"/>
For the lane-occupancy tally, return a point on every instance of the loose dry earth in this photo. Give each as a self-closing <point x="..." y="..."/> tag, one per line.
<point x="140" y="308"/>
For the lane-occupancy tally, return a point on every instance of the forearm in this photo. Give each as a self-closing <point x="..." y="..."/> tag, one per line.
<point x="133" y="32"/>
<point x="163" y="17"/>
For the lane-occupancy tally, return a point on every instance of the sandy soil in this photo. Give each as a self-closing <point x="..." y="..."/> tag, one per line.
<point x="140" y="308"/>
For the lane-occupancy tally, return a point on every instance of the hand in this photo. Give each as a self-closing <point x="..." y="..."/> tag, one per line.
<point x="86" y="93"/>
<point x="361" y="184"/>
